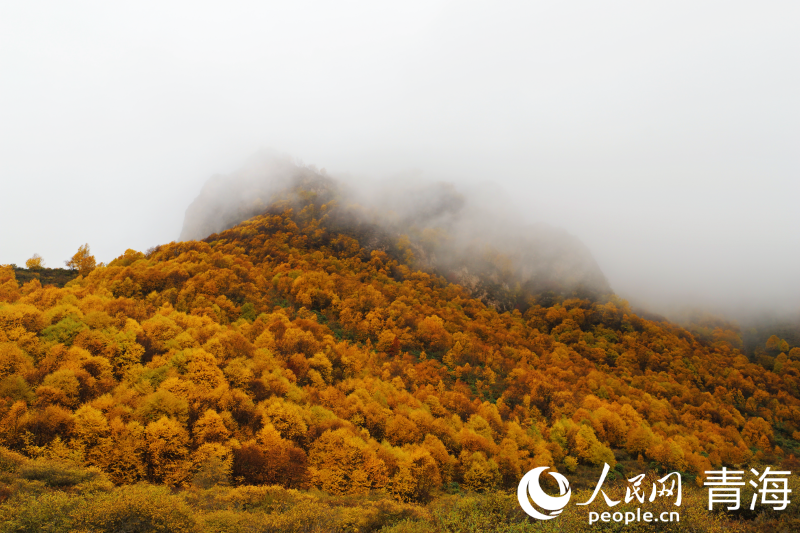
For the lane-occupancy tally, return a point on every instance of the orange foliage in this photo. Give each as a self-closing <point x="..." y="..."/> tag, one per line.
<point x="281" y="352"/>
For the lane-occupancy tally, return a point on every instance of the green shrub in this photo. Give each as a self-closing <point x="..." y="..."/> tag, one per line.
<point x="228" y="521"/>
<point x="10" y="461"/>
<point x="49" y="512"/>
<point x="65" y="331"/>
<point x="490" y="512"/>
<point x="138" y="509"/>
<point x="409" y="526"/>
<point x="55" y="473"/>
<point x="213" y="471"/>
<point x="16" y="388"/>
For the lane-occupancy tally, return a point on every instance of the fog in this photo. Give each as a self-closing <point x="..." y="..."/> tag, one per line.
<point x="664" y="136"/>
<point x="471" y="236"/>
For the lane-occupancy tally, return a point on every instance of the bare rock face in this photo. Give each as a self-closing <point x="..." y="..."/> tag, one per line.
<point x="431" y="226"/>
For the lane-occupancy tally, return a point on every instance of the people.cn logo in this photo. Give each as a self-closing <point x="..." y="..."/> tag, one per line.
<point x="529" y="485"/>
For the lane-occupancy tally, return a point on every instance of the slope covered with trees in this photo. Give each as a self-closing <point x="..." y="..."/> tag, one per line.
<point x="474" y="239"/>
<point x="285" y="352"/>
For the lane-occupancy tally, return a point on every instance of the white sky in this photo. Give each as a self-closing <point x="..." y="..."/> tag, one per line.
<point x="665" y="135"/>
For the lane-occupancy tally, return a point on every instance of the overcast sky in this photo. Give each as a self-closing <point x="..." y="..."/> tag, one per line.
<point x="664" y="135"/>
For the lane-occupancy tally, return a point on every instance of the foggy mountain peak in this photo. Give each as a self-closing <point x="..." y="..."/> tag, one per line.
<point x="471" y="237"/>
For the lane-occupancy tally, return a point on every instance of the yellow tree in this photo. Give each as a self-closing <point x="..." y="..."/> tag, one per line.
<point x="416" y="477"/>
<point x="210" y="428"/>
<point x="342" y="463"/>
<point x="270" y="460"/>
<point x="480" y="474"/>
<point x="9" y="289"/>
<point x="167" y="452"/>
<point x="212" y="465"/>
<point x="287" y="418"/>
<point x="35" y="262"/>
<point x="82" y="261"/>
<point x="91" y="428"/>
<point x="123" y="453"/>
<point x="12" y="424"/>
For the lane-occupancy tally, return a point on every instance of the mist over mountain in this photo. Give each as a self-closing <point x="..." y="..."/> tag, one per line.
<point x="472" y="237"/>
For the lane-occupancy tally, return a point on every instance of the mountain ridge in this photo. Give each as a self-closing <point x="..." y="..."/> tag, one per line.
<point x="500" y="260"/>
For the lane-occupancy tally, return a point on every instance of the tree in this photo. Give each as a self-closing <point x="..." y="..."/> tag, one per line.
<point x="167" y="452"/>
<point x="480" y="474"/>
<point x="416" y="477"/>
<point x="591" y="450"/>
<point x="773" y="343"/>
<point x="210" y="428"/>
<point x="35" y="262"/>
<point x="213" y="464"/>
<point x="123" y="454"/>
<point x="9" y="289"/>
<point x="82" y="261"/>
<point x="342" y="463"/>
<point x="432" y="333"/>
<point x="270" y="460"/>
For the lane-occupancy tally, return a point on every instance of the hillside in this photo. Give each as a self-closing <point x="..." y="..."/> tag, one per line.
<point x="293" y="350"/>
<point x="474" y="240"/>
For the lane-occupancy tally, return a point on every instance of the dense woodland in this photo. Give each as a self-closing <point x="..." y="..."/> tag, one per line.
<point x="284" y="353"/>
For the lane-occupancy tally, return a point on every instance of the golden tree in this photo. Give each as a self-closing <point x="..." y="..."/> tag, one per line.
<point x="167" y="452"/>
<point x="35" y="262"/>
<point x="82" y="261"/>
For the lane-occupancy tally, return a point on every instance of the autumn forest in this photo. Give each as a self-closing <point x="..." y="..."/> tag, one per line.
<point x="288" y="374"/>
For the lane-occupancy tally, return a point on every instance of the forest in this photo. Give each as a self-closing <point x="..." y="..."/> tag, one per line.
<point x="286" y="375"/>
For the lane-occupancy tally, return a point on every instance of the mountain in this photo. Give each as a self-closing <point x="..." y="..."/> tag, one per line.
<point x="321" y="345"/>
<point x="500" y="260"/>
